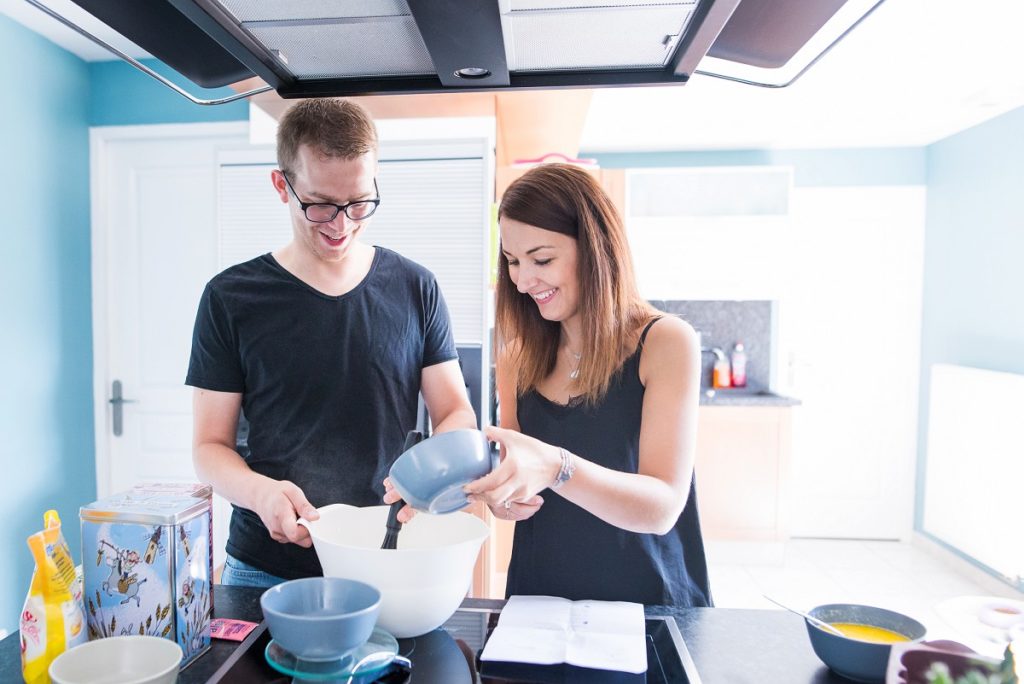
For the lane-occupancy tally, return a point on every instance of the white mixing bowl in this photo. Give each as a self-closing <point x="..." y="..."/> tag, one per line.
<point x="422" y="582"/>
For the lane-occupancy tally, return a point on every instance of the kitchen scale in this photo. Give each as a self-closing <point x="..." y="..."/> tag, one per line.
<point x="445" y="656"/>
<point x="367" y="663"/>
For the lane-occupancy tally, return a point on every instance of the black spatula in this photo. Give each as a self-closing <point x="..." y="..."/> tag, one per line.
<point x="394" y="527"/>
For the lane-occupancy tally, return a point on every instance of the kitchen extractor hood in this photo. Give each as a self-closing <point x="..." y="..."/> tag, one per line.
<point x="320" y="48"/>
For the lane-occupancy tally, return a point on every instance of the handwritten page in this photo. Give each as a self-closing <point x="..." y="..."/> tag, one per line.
<point x="546" y="630"/>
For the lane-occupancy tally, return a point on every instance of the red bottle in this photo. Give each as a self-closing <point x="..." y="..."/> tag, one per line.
<point x="739" y="366"/>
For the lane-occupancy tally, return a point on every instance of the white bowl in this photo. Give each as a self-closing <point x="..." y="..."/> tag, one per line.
<point x="119" y="660"/>
<point x="1002" y="614"/>
<point x="422" y="582"/>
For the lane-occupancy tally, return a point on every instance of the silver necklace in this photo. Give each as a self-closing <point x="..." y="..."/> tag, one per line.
<point x="575" y="372"/>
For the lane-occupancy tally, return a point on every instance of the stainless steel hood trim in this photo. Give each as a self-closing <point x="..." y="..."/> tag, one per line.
<point x="708" y="22"/>
<point x="527" y="81"/>
<point x="222" y="28"/>
<point x="142" y="67"/>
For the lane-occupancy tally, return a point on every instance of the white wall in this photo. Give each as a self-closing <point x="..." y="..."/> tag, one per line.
<point x="845" y="267"/>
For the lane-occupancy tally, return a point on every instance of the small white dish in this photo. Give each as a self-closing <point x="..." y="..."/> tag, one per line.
<point x="964" y="614"/>
<point x="1003" y="613"/>
<point x="119" y="660"/>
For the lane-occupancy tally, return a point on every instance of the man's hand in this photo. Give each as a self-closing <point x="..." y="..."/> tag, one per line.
<point x="280" y="504"/>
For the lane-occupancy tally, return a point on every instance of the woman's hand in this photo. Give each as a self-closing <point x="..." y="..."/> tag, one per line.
<point x="517" y="510"/>
<point x="391" y="495"/>
<point x="528" y="467"/>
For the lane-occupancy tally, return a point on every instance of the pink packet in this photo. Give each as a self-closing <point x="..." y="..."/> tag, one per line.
<point x="234" y="630"/>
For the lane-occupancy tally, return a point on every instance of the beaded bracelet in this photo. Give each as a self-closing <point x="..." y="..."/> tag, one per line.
<point x="567" y="469"/>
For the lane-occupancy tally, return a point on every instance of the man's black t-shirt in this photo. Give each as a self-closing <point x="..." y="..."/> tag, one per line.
<point x="329" y="384"/>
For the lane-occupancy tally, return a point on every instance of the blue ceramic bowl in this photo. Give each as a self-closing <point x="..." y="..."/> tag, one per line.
<point x="861" y="661"/>
<point x="431" y="474"/>
<point x="321" y="618"/>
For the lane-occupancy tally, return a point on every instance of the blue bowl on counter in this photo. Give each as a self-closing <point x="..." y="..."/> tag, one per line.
<point x="430" y="475"/>
<point x="856" y="659"/>
<point x="321" y="618"/>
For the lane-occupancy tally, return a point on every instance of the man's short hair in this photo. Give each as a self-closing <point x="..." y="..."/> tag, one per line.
<point x="335" y="128"/>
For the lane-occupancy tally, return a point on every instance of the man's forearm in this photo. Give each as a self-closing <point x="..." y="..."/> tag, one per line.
<point x="458" y="419"/>
<point x="228" y="473"/>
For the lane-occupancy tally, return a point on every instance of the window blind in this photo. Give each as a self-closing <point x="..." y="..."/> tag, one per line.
<point x="434" y="211"/>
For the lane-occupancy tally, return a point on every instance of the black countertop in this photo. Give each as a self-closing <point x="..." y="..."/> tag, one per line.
<point x="729" y="646"/>
<point x="745" y="397"/>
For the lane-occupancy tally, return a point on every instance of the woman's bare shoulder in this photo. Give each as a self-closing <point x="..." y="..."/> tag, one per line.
<point x="670" y="333"/>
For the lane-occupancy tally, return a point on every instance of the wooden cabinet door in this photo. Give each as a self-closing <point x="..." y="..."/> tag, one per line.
<point x="741" y="470"/>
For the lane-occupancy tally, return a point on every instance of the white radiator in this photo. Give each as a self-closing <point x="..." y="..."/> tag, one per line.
<point x="974" y="480"/>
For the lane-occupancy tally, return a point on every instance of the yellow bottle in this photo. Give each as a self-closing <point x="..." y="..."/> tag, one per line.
<point x="52" y="620"/>
<point x="720" y="373"/>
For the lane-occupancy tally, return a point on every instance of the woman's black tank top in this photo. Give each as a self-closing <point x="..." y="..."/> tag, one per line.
<point x="565" y="551"/>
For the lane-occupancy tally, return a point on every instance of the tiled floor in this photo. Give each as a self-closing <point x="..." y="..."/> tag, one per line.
<point x="911" y="578"/>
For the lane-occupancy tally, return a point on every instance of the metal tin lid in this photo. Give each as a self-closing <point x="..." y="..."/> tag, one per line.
<point x="146" y="506"/>
<point x="197" y="489"/>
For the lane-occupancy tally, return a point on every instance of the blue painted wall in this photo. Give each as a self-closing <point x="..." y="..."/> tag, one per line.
<point x="46" y="409"/>
<point x="123" y="95"/>
<point x="46" y="416"/>
<point x="974" y="256"/>
<point x="840" y="167"/>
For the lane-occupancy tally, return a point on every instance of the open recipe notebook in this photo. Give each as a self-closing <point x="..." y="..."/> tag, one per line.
<point x="546" y="630"/>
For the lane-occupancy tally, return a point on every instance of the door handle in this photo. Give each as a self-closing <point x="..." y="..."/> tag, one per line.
<point x="117" y="401"/>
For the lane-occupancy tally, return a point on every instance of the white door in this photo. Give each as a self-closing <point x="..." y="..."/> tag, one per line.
<point x="154" y="240"/>
<point x="852" y="321"/>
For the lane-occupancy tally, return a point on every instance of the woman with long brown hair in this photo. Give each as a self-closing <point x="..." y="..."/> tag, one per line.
<point x="598" y="403"/>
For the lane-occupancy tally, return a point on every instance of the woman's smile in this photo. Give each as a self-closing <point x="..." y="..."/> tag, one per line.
<point x="545" y="296"/>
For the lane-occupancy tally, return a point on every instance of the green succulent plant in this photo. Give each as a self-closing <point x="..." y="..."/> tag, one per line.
<point x="939" y="673"/>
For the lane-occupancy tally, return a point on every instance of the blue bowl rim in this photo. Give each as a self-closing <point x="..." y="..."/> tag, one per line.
<point x="441" y="485"/>
<point x="445" y="436"/>
<point x="812" y="613"/>
<point x="317" y="618"/>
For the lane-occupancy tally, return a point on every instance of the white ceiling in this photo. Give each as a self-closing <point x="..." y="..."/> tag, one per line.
<point x="914" y="72"/>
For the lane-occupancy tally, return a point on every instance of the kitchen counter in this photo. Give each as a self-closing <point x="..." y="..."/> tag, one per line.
<point x="729" y="646"/>
<point x="743" y="397"/>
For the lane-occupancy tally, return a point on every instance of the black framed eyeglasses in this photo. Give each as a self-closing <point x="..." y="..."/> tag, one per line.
<point x="325" y="212"/>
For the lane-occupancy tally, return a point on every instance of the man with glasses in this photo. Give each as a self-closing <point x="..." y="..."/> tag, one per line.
<point x="325" y="345"/>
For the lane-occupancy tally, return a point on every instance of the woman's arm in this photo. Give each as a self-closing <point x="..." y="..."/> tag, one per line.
<point x="649" y="501"/>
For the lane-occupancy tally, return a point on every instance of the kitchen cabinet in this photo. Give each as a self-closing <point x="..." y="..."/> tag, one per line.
<point x="742" y="472"/>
